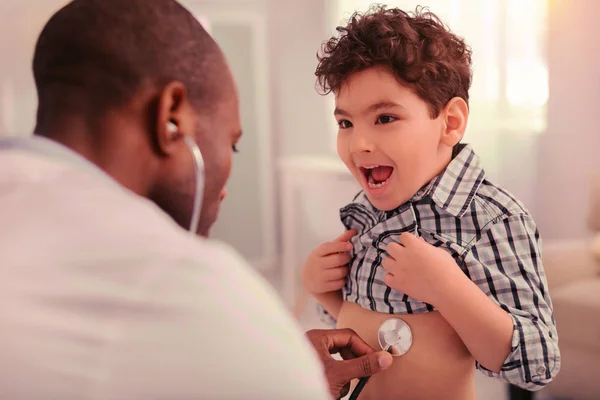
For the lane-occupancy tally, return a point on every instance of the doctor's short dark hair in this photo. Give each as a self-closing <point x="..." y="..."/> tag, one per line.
<point x="418" y="48"/>
<point x="95" y="55"/>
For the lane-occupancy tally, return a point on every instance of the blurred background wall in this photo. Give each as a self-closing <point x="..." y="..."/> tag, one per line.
<point x="534" y="105"/>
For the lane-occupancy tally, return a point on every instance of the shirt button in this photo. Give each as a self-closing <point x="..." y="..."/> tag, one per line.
<point x="365" y="303"/>
<point x="541" y="370"/>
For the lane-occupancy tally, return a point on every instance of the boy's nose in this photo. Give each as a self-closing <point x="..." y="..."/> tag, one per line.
<point x="361" y="142"/>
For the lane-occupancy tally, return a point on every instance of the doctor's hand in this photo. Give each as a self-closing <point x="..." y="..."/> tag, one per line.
<point x="326" y="268"/>
<point x="359" y="359"/>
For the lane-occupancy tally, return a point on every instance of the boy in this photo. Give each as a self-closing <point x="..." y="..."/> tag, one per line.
<point x="429" y="237"/>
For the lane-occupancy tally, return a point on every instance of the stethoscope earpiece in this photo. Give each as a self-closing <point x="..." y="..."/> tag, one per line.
<point x="172" y="128"/>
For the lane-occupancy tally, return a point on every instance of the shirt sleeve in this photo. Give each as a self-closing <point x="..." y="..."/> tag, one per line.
<point x="506" y="263"/>
<point x="210" y="329"/>
<point x="325" y="317"/>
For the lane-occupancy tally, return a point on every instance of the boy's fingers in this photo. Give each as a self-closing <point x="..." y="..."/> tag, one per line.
<point x="336" y="260"/>
<point x="390" y="280"/>
<point x="335" y="274"/>
<point x="334" y="247"/>
<point x="335" y="285"/>
<point x="388" y="264"/>
<point x="395" y="250"/>
<point x="344" y="237"/>
<point x="407" y="239"/>
<point x="338" y="245"/>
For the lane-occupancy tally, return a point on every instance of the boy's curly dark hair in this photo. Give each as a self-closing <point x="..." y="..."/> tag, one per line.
<point x="417" y="47"/>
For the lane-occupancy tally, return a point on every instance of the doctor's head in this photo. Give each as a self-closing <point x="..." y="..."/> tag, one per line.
<point x="121" y="82"/>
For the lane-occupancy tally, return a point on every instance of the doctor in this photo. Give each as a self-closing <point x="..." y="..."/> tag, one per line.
<point x="104" y="293"/>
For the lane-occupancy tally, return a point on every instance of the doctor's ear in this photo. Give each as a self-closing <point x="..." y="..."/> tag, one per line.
<point x="167" y="137"/>
<point x="174" y="116"/>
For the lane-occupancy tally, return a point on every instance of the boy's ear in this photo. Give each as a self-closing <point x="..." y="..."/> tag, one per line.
<point x="456" y="115"/>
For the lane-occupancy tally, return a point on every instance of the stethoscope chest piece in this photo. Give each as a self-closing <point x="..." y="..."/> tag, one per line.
<point x="395" y="336"/>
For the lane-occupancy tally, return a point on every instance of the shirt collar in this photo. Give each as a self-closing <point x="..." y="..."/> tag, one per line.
<point x="455" y="188"/>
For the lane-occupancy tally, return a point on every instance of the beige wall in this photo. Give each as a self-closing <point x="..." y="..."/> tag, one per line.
<point x="569" y="152"/>
<point x="300" y="116"/>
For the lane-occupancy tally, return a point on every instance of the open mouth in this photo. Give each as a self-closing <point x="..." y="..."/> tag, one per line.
<point x="377" y="176"/>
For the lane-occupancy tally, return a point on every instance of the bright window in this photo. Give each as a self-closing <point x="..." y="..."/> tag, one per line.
<point x="509" y="93"/>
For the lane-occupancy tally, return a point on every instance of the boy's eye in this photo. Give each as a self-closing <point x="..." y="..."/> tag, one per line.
<point x="344" y="124"/>
<point x="386" y="119"/>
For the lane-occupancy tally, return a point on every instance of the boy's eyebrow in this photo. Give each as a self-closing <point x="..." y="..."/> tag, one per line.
<point x="373" y="107"/>
<point x="383" y="104"/>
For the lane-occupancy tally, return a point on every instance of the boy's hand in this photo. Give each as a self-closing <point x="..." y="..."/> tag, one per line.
<point x="420" y="270"/>
<point x="325" y="269"/>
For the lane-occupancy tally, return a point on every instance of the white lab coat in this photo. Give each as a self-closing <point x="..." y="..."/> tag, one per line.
<point x="103" y="296"/>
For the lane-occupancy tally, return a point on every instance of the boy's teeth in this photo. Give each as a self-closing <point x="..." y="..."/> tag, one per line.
<point x="374" y="185"/>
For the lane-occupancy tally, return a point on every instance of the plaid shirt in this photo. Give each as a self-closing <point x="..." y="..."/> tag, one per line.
<point x="493" y="239"/>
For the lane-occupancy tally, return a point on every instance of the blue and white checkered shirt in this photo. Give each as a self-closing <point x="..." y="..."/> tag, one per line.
<point x="493" y="239"/>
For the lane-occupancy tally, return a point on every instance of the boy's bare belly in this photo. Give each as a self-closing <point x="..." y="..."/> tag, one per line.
<point x="437" y="366"/>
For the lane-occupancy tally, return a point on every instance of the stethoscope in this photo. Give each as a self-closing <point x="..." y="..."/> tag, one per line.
<point x="199" y="193"/>
<point x="199" y="172"/>
<point x="394" y="336"/>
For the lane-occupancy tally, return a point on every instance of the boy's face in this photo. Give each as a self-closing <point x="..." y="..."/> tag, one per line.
<point x="387" y="138"/>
